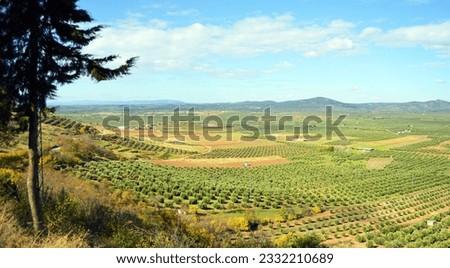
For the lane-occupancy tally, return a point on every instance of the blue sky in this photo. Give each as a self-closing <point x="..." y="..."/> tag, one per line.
<point x="220" y="51"/>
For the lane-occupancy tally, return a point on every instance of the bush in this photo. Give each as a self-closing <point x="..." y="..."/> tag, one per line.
<point x="316" y="210"/>
<point x="390" y="228"/>
<point x="238" y="224"/>
<point x="288" y="214"/>
<point x="63" y="159"/>
<point x="217" y="205"/>
<point x="193" y="200"/>
<point x="168" y="203"/>
<point x="230" y="206"/>
<point x="370" y="244"/>
<point x="8" y="187"/>
<point x="75" y="150"/>
<point x="294" y="240"/>
<point x="361" y="238"/>
<point x="202" y="205"/>
<point x="14" y="160"/>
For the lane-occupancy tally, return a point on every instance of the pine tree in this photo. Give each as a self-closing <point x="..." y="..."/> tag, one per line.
<point x="41" y="45"/>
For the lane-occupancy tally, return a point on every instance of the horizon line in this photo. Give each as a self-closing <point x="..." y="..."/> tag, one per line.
<point x="181" y="102"/>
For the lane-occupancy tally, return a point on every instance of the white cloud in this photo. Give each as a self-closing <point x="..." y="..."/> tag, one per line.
<point x="284" y="64"/>
<point x="171" y="48"/>
<point x="440" y="81"/>
<point x="431" y="36"/>
<point x="164" y="47"/>
<point x="159" y="24"/>
<point x="341" y="24"/>
<point x="370" y="32"/>
<point x="311" y="54"/>
<point x="340" y="44"/>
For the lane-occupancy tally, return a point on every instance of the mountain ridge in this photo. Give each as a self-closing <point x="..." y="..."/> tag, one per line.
<point x="312" y="104"/>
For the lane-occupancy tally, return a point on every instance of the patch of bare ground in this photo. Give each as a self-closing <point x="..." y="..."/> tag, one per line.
<point x="441" y="146"/>
<point x="224" y="162"/>
<point x="225" y="144"/>
<point x="345" y="242"/>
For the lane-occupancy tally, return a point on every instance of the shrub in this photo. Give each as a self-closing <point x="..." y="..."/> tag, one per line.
<point x="217" y="205"/>
<point x="316" y="210"/>
<point x="294" y="240"/>
<point x="168" y="203"/>
<point x="8" y="187"/>
<point x="231" y="206"/>
<point x="370" y="244"/>
<point x="202" y="205"/>
<point x="288" y="214"/>
<point x="238" y="224"/>
<point x="63" y="159"/>
<point x="193" y="200"/>
<point x="264" y="221"/>
<point x="15" y="160"/>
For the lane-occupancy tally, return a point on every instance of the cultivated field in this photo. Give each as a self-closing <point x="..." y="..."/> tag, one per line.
<point x="378" y="163"/>
<point x="264" y="190"/>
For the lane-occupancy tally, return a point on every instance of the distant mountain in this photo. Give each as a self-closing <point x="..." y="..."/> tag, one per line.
<point x="319" y="104"/>
<point x="308" y="105"/>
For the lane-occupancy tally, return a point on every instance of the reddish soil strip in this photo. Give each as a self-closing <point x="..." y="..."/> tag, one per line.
<point x="225" y="163"/>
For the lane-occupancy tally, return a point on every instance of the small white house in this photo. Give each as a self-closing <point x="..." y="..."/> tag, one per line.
<point x="366" y="150"/>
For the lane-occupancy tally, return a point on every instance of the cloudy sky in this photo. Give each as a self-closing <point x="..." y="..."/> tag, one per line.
<point x="236" y="50"/>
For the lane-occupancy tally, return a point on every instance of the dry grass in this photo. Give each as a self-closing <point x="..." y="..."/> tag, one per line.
<point x="441" y="147"/>
<point x="83" y="191"/>
<point x="378" y="163"/>
<point x="13" y="236"/>
<point x="400" y="142"/>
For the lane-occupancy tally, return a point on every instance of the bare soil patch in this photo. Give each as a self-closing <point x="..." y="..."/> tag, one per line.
<point x="224" y="144"/>
<point x="224" y="162"/>
<point x="441" y="146"/>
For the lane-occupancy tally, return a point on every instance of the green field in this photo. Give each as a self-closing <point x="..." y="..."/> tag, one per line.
<point x="386" y="185"/>
<point x="349" y="198"/>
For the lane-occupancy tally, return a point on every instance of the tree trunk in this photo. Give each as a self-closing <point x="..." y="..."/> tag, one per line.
<point x="34" y="196"/>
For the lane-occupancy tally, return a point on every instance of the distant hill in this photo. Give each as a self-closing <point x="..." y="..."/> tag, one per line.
<point x="307" y="105"/>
